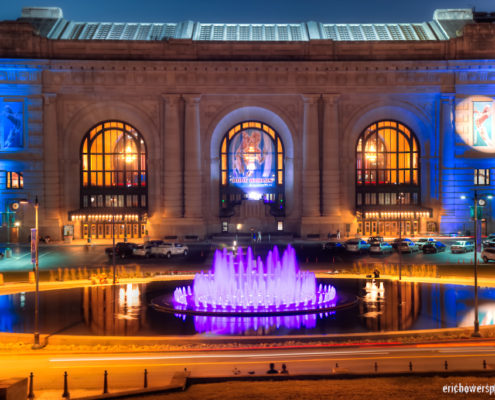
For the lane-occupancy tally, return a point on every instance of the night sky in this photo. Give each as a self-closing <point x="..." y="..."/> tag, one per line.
<point x="231" y="11"/>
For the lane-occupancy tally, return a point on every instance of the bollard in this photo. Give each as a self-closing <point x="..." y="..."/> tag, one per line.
<point x="105" y="382"/>
<point x="145" y="378"/>
<point x="1" y="279"/>
<point x="59" y="272"/>
<point x="31" y="392"/>
<point x="484" y="364"/>
<point x="376" y="366"/>
<point x="66" y="393"/>
<point x="336" y="365"/>
<point x="410" y="366"/>
<point x="446" y="365"/>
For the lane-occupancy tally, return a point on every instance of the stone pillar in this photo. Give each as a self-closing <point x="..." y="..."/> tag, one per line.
<point x="50" y="198"/>
<point x="192" y="155"/>
<point x="330" y="168"/>
<point x="172" y="180"/>
<point x="311" y="172"/>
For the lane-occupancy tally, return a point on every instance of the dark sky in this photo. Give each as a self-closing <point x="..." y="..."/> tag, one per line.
<point x="262" y="11"/>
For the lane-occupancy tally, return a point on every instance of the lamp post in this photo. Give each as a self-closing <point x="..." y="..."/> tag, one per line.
<point x="476" y="202"/>
<point x="36" y="344"/>
<point x="399" y="198"/>
<point x="113" y="245"/>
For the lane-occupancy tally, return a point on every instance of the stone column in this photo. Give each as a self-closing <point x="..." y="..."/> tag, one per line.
<point x="311" y="172"/>
<point x="50" y="198"/>
<point x="330" y="168"/>
<point x="192" y="158"/>
<point x="449" y="193"/>
<point x="172" y="177"/>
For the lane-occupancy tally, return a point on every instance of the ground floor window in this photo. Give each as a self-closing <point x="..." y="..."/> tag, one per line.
<point x="99" y="230"/>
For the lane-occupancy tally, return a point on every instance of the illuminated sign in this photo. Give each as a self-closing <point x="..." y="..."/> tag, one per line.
<point x="252" y="160"/>
<point x="475" y="123"/>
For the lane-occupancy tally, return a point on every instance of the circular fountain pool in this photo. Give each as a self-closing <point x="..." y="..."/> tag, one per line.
<point x="240" y="286"/>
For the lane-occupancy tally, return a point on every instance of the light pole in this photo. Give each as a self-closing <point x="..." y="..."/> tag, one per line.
<point x="399" y="198"/>
<point x="36" y="344"/>
<point x="476" y="202"/>
<point x="113" y="245"/>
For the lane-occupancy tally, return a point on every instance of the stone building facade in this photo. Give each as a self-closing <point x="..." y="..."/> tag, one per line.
<point x="417" y="98"/>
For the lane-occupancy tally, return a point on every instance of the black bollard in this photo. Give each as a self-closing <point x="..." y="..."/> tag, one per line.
<point x="446" y="365"/>
<point x="105" y="382"/>
<point x="376" y="366"/>
<point x="410" y="365"/>
<point x="484" y="364"/>
<point x="31" y="392"/>
<point x="336" y="365"/>
<point x="145" y="378"/>
<point x="66" y="393"/>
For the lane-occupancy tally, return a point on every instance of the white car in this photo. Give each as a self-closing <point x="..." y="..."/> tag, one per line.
<point x="462" y="246"/>
<point x="422" y="241"/>
<point x="381" y="248"/>
<point x="356" y="245"/>
<point x="488" y="254"/>
<point x="170" y="249"/>
<point x="142" y="250"/>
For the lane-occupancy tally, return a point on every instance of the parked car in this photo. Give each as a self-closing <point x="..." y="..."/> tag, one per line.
<point x="490" y="240"/>
<point x="374" y="239"/>
<point x="142" y="250"/>
<point x="488" y="254"/>
<point x="356" y="245"/>
<point x="422" y="241"/>
<point x="381" y="248"/>
<point x="154" y="243"/>
<point x="433" y="247"/>
<point x="122" y="250"/>
<point x="396" y="242"/>
<point x="462" y="246"/>
<point x="333" y="247"/>
<point x="407" y="246"/>
<point x="170" y="249"/>
<point x="489" y="243"/>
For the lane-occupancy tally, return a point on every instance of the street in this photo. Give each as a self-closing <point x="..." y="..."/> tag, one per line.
<point x="126" y="370"/>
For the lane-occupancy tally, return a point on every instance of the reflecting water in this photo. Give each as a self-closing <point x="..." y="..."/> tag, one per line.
<point x="124" y="310"/>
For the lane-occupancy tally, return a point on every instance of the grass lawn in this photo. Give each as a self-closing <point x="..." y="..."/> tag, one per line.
<point x="346" y="389"/>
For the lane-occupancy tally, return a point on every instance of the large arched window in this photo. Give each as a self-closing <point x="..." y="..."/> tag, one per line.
<point x="252" y="167"/>
<point x="387" y="163"/>
<point x="113" y="167"/>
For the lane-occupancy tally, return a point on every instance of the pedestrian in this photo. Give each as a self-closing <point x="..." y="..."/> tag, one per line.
<point x="259" y="236"/>
<point x="338" y="233"/>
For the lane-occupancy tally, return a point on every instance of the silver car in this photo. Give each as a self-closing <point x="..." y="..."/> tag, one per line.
<point x="381" y="248"/>
<point x="462" y="246"/>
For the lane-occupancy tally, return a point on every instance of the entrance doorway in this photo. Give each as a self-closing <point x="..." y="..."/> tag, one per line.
<point x="389" y="228"/>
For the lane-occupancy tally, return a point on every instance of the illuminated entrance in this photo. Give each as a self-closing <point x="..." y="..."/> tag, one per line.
<point x="388" y="181"/>
<point x="114" y="178"/>
<point x="252" y="168"/>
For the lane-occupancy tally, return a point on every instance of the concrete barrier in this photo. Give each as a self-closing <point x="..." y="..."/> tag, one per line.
<point x="13" y="389"/>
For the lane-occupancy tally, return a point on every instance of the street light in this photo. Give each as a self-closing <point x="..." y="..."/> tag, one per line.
<point x="400" y="197"/>
<point x="35" y="239"/>
<point x="476" y="202"/>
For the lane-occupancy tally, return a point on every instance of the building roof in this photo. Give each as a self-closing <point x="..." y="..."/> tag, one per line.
<point x="50" y="23"/>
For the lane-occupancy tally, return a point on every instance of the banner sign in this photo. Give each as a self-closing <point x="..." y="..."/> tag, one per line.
<point x="33" y="245"/>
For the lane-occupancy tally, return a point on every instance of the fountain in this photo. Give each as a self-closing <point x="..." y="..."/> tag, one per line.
<point x="240" y="285"/>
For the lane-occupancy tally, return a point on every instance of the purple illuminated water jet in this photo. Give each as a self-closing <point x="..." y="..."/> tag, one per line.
<point x="239" y="283"/>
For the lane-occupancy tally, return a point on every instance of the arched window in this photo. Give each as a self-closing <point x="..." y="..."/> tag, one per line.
<point x="387" y="163"/>
<point x="252" y="167"/>
<point x="113" y="167"/>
